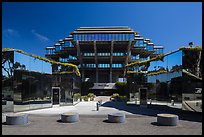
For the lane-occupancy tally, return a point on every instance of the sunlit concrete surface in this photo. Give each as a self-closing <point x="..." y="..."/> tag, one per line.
<point x="139" y="121"/>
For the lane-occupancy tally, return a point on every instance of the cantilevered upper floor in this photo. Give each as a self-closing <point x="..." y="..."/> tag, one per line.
<point x="103" y="45"/>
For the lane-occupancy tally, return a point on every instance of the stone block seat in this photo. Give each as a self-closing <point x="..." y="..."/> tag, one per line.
<point x="70" y="117"/>
<point x="17" y="119"/>
<point x="116" y="117"/>
<point x="167" y="119"/>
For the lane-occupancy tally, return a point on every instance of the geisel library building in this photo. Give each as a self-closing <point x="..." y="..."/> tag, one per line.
<point x="104" y="56"/>
<point x="101" y="54"/>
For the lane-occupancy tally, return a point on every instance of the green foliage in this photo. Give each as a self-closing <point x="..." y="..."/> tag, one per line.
<point x="196" y="48"/>
<point x="115" y="95"/>
<point x="86" y="98"/>
<point x="120" y="84"/>
<point x="118" y="97"/>
<point x="77" y="96"/>
<point x="91" y="96"/>
<point x="81" y="98"/>
<point x="156" y="72"/>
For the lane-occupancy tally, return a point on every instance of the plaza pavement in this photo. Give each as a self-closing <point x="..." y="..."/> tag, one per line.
<point x="139" y="121"/>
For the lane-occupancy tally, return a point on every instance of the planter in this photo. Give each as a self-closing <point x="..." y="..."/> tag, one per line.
<point x="116" y="118"/>
<point x="70" y="117"/>
<point x="17" y="119"/>
<point x="167" y="119"/>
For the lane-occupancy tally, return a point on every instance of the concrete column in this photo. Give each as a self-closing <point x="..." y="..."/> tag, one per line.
<point x="126" y="60"/>
<point x="83" y="75"/>
<point x="111" y="62"/>
<point x="111" y="76"/>
<point x="96" y="61"/>
<point x="97" y="75"/>
<point x="80" y="58"/>
<point x="128" y="51"/>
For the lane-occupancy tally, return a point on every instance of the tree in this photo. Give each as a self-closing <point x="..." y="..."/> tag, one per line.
<point x="7" y="63"/>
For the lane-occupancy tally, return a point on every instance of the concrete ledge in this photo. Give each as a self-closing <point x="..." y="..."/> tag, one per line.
<point x="167" y="119"/>
<point x="69" y="117"/>
<point x="116" y="118"/>
<point x="16" y="119"/>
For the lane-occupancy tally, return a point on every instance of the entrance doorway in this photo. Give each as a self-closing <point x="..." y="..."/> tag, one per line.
<point x="55" y="95"/>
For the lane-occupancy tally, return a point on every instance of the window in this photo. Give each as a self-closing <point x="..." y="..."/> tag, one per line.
<point x="140" y="42"/>
<point x="75" y="36"/>
<point x="150" y="47"/>
<point x="99" y="37"/>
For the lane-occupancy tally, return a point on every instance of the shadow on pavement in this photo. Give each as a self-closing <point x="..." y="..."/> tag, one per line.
<point x="153" y="110"/>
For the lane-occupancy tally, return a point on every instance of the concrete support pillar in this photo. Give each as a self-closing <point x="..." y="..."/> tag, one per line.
<point x="97" y="75"/>
<point x="83" y="75"/>
<point x="111" y="76"/>
<point x="127" y="55"/>
<point x="96" y="61"/>
<point x="111" y="62"/>
<point x="80" y="57"/>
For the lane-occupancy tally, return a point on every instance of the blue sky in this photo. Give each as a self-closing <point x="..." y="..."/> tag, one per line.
<point x="32" y="26"/>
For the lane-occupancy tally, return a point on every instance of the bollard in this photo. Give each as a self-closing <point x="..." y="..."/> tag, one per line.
<point x="150" y="101"/>
<point x="172" y="102"/>
<point x="97" y="106"/>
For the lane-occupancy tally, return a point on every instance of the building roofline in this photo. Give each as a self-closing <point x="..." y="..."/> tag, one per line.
<point x="85" y="32"/>
<point x="104" y="27"/>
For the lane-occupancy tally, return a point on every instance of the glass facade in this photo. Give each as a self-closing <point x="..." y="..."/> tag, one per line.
<point x="50" y="51"/>
<point x="103" y="65"/>
<point x="68" y="44"/>
<point x="31" y="83"/>
<point x="150" y="47"/>
<point x="27" y="83"/>
<point x="158" y="50"/>
<point x="168" y="84"/>
<point x="103" y="37"/>
<point x="139" y="42"/>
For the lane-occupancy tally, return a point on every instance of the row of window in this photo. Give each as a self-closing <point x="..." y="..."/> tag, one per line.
<point x="158" y="51"/>
<point x="103" y="65"/>
<point x="67" y="59"/>
<point x="103" y="37"/>
<point x="58" y="48"/>
<point x="103" y="54"/>
<point x="50" y="51"/>
<point x="135" y="57"/>
<point x="68" y="44"/>
<point x="138" y="57"/>
<point x="139" y="43"/>
<point x="150" y="47"/>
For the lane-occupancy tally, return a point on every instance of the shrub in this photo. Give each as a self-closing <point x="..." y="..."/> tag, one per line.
<point x="77" y="96"/>
<point x="86" y="98"/>
<point x="91" y="96"/>
<point x="82" y="97"/>
<point x="115" y="95"/>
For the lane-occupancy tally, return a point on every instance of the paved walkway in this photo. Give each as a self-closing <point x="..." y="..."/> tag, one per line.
<point x="139" y="121"/>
